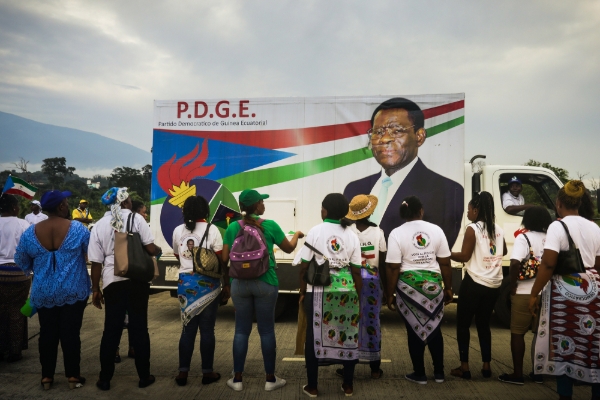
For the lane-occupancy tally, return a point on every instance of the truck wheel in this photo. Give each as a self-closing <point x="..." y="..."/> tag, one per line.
<point x="502" y="307"/>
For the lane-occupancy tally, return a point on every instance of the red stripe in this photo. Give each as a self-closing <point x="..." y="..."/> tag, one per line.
<point x="367" y="256"/>
<point x="283" y="138"/>
<point x="443" y="109"/>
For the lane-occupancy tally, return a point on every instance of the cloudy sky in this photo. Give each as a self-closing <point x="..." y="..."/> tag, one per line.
<point x="530" y="69"/>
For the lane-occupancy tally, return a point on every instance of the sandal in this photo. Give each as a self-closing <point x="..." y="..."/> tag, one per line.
<point x="207" y="380"/>
<point x="48" y="384"/>
<point x="76" y="382"/>
<point x="459" y="373"/>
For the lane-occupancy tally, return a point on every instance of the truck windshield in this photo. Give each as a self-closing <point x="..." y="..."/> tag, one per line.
<point x="537" y="189"/>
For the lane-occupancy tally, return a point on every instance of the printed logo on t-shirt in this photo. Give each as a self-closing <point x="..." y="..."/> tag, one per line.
<point x="187" y="245"/>
<point x="492" y="248"/>
<point x="335" y="244"/>
<point x="421" y="240"/>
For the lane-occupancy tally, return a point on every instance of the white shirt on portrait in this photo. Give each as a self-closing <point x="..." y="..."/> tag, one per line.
<point x="397" y="178"/>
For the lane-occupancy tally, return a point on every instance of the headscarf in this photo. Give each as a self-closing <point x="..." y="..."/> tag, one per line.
<point x="113" y="198"/>
<point x="574" y="188"/>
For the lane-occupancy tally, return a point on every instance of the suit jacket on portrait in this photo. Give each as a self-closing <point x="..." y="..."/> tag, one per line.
<point x="442" y="198"/>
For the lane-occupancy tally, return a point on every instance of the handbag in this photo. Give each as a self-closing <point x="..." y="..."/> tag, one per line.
<point x="569" y="261"/>
<point x="529" y="266"/>
<point x="131" y="258"/>
<point x="206" y="261"/>
<point x="317" y="275"/>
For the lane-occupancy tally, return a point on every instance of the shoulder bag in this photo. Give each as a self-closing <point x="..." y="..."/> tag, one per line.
<point x="569" y="261"/>
<point x="131" y="258"/>
<point x="206" y="261"/>
<point x="317" y="275"/>
<point x="529" y="266"/>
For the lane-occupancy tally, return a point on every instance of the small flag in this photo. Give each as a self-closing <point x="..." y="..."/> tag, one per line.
<point x="19" y="187"/>
<point x="224" y="216"/>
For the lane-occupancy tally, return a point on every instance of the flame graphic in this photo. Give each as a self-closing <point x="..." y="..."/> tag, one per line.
<point x="174" y="176"/>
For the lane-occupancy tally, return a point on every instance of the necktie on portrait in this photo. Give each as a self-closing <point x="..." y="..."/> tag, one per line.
<point x="381" y="200"/>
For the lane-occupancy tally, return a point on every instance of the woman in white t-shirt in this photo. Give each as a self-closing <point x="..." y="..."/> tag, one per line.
<point x="14" y="283"/>
<point x="568" y="331"/>
<point x="332" y="312"/>
<point x="418" y="261"/>
<point x="372" y="253"/>
<point x="528" y="247"/>
<point x="482" y="250"/>
<point x="199" y="295"/>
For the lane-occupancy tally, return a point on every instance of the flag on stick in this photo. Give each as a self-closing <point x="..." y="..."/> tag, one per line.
<point x="224" y="216"/>
<point x="19" y="187"/>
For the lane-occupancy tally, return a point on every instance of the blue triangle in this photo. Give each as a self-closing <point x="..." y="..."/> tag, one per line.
<point x="228" y="158"/>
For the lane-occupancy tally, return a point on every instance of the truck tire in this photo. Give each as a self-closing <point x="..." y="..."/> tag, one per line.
<point x="502" y="307"/>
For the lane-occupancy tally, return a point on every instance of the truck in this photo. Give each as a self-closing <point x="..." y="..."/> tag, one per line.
<point x="299" y="149"/>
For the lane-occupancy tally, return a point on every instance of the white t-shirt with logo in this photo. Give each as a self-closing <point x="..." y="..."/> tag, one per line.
<point x="34" y="219"/>
<point x="416" y="245"/>
<point x="485" y="265"/>
<point x="184" y="241"/>
<point x="521" y="251"/>
<point x="340" y="246"/>
<point x="102" y="243"/>
<point x="579" y="228"/>
<point x="372" y="241"/>
<point x="509" y="200"/>
<point x="11" y="229"/>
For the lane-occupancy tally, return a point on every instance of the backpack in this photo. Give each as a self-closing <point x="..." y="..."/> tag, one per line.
<point x="249" y="254"/>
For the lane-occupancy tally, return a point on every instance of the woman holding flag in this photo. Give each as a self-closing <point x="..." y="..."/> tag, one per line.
<point x="14" y="284"/>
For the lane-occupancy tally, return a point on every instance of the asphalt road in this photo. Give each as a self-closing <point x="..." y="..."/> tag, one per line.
<point x="20" y="380"/>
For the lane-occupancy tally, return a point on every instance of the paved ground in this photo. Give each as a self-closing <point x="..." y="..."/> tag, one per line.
<point x="21" y="380"/>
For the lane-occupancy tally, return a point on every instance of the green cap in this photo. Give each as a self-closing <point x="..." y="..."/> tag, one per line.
<point x="251" y="196"/>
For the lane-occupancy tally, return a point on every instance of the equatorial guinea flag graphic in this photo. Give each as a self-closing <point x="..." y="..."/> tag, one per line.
<point x="19" y="187"/>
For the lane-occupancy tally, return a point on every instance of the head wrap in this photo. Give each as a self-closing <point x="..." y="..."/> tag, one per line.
<point x="575" y="189"/>
<point x="113" y="198"/>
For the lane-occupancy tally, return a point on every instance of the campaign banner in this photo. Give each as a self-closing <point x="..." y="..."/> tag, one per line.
<point x="298" y="150"/>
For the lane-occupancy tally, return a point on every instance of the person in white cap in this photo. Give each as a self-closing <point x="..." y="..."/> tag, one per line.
<point x="36" y="214"/>
<point x="513" y="201"/>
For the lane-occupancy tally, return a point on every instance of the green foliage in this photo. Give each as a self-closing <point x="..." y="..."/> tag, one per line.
<point x="136" y="180"/>
<point x="560" y="173"/>
<point x="56" y="169"/>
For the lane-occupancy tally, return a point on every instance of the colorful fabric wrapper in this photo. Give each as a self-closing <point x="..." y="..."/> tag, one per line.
<point x="195" y="293"/>
<point x="568" y="339"/>
<point x="335" y="320"/>
<point x="11" y="273"/>
<point x="369" y="337"/>
<point x="420" y="300"/>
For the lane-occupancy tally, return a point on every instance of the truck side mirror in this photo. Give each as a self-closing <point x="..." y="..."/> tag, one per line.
<point x="475" y="183"/>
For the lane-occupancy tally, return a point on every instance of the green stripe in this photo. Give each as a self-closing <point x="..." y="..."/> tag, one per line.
<point x="19" y="181"/>
<point x="367" y="248"/>
<point x="272" y="176"/>
<point x="434" y="130"/>
<point x="285" y="173"/>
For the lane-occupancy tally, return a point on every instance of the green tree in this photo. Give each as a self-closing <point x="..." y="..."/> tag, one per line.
<point x="560" y="173"/>
<point x="56" y="169"/>
<point x="135" y="180"/>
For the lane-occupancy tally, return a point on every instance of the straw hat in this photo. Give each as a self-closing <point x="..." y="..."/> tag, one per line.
<point x="362" y="206"/>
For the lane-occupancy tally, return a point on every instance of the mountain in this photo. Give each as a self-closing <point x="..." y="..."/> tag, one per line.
<point x="35" y="141"/>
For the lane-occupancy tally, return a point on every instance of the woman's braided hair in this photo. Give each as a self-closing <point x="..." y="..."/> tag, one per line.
<point x="570" y="195"/>
<point x="484" y="203"/>
<point x="194" y="208"/>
